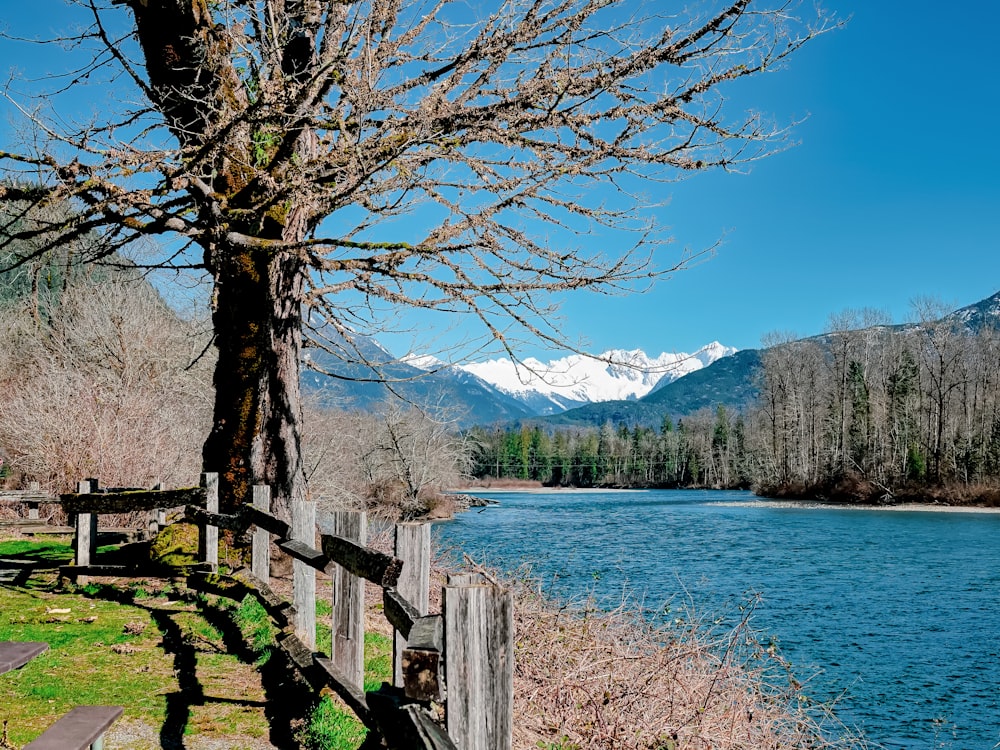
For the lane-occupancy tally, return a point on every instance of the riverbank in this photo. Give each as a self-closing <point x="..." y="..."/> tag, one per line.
<point x="840" y="591"/>
<point x="899" y="507"/>
<point x="977" y="499"/>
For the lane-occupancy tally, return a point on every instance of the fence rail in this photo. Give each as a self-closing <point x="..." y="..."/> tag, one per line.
<point x="32" y="497"/>
<point x="461" y="659"/>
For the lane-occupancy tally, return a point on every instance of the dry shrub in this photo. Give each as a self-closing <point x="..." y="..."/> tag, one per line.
<point x="394" y="462"/>
<point x="591" y="679"/>
<point x="105" y="388"/>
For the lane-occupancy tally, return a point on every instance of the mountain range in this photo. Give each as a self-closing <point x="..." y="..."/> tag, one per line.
<point x="620" y="386"/>
<point x="365" y="374"/>
<point x="577" y="380"/>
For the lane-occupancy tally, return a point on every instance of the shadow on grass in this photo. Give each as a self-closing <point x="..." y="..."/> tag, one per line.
<point x="287" y="702"/>
<point x="20" y="558"/>
<point x="288" y="699"/>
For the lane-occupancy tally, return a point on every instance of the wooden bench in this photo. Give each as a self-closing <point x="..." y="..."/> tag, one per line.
<point x="15" y="654"/>
<point x="81" y="728"/>
<point x="32" y="497"/>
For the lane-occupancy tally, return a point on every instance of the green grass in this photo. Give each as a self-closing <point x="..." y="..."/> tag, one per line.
<point x="109" y="650"/>
<point x="119" y="646"/>
<point x="330" y="725"/>
<point x="91" y="659"/>
<point x="255" y="624"/>
<point x="49" y="550"/>
<point x="378" y="660"/>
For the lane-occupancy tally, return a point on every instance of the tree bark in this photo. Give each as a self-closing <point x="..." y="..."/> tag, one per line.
<point x="258" y="414"/>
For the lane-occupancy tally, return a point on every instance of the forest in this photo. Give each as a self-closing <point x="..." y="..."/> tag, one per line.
<point x="867" y="413"/>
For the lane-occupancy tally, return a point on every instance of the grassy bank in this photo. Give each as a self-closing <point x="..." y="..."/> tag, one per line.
<point x="191" y="670"/>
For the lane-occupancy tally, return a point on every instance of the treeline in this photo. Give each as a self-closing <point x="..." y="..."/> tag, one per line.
<point x="882" y="412"/>
<point x="705" y="449"/>
<point x="863" y="413"/>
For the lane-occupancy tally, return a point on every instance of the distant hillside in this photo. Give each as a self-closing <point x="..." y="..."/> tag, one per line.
<point x="731" y="381"/>
<point x="456" y="396"/>
<point x="983" y="314"/>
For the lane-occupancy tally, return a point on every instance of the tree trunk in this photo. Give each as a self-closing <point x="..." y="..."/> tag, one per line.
<point x="258" y="332"/>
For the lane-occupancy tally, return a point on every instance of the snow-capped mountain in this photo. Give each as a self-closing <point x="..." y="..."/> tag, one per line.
<point x="975" y="317"/>
<point x="571" y="381"/>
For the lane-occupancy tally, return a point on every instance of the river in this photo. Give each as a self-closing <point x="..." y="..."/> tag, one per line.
<point x="895" y="613"/>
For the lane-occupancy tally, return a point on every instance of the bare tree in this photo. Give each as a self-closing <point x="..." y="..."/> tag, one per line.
<point x="420" y="454"/>
<point x="280" y="138"/>
<point x="396" y="459"/>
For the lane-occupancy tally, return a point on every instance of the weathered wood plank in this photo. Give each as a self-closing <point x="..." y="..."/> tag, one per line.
<point x="413" y="547"/>
<point x="200" y="516"/>
<point x="405" y="726"/>
<point x="428" y="732"/>
<point x="260" y="546"/>
<point x="379" y="568"/>
<point x="22" y="522"/>
<point x="126" y="502"/>
<point x="479" y="669"/>
<point x="85" y="541"/>
<point x="398" y="611"/>
<point x="25" y="496"/>
<point x="75" y="572"/>
<point x="338" y="682"/>
<point x="304" y="572"/>
<point x="302" y="552"/>
<point x="266" y="521"/>
<point x="347" y="647"/>
<point x="28" y="527"/>
<point x="36" y="529"/>
<point x="208" y="539"/>
<point x="79" y="729"/>
<point x="466" y="579"/>
<point x="427" y="633"/>
<point x="15" y="654"/>
<point x="226" y="586"/>
<point x="422" y="662"/>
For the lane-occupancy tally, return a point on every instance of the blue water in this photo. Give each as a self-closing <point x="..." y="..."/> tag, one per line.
<point x="895" y="613"/>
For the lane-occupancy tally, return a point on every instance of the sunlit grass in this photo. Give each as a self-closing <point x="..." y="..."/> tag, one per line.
<point x="118" y="645"/>
<point x="331" y="726"/>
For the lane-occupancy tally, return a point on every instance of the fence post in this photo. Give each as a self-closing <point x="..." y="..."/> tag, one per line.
<point x="33" y="509"/>
<point x="157" y="517"/>
<point x="260" y="549"/>
<point x="479" y="663"/>
<point x="347" y="650"/>
<point x="413" y="547"/>
<point x="208" y="540"/>
<point x="86" y="528"/>
<point x="303" y="575"/>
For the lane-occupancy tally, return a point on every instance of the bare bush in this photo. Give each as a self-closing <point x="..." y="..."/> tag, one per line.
<point x="395" y="461"/>
<point x="108" y="387"/>
<point x="586" y="678"/>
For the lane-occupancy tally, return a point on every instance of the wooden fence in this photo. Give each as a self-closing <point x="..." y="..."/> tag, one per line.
<point x="461" y="659"/>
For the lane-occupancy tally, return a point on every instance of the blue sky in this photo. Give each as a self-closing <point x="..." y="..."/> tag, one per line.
<point x="890" y="190"/>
